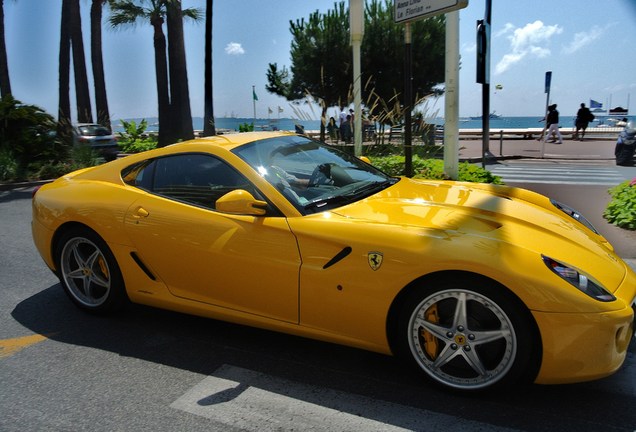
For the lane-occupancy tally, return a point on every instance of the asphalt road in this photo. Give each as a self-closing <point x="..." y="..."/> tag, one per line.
<point x="146" y="369"/>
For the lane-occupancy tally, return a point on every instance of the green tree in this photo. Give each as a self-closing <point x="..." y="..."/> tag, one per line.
<point x="209" y="127"/>
<point x="321" y="62"/>
<point x="383" y="67"/>
<point x="27" y="133"/>
<point x="5" y="83"/>
<point x="97" y="63"/>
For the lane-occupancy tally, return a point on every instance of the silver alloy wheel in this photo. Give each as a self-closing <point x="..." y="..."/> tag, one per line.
<point x="85" y="272"/>
<point x="462" y="339"/>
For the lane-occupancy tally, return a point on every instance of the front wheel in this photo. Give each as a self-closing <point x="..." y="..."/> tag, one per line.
<point x="469" y="335"/>
<point x="88" y="272"/>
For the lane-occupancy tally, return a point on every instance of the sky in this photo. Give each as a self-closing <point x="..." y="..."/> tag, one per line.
<point x="589" y="45"/>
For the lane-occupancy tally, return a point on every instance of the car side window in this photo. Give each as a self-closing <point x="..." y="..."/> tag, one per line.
<point x="197" y="179"/>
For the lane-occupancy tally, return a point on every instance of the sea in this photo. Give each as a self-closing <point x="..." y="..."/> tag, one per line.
<point x="289" y="124"/>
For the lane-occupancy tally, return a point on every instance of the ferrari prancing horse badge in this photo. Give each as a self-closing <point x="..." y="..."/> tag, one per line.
<point x="375" y="260"/>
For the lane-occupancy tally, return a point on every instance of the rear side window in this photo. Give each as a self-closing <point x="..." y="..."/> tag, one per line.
<point x="191" y="178"/>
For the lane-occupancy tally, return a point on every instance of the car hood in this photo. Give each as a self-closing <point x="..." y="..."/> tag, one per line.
<point x="516" y="216"/>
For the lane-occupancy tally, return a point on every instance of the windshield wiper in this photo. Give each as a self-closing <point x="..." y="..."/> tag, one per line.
<point x="371" y="188"/>
<point x="333" y="199"/>
<point x="358" y="193"/>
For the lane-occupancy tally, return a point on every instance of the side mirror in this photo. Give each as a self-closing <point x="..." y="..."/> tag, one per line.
<point x="241" y="202"/>
<point x="365" y="159"/>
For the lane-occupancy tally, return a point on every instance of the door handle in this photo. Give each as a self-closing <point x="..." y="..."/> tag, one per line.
<point x="140" y="212"/>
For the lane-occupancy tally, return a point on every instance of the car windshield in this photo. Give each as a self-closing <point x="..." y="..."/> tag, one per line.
<point x="312" y="176"/>
<point x="93" y="130"/>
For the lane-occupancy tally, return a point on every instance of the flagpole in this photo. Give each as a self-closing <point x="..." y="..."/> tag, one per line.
<point x="254" y="101"/>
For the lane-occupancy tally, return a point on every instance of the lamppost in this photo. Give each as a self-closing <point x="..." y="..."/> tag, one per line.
<point x="356" y="30"/>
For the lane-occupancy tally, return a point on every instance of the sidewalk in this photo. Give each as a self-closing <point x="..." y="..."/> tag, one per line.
<point x="590" y="149"/>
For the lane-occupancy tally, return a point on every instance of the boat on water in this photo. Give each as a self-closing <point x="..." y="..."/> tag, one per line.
<point x="618" y="111"/>
<point x="492" y="116"/>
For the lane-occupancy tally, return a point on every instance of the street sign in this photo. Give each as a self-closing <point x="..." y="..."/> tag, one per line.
<point x="411" y="10"/>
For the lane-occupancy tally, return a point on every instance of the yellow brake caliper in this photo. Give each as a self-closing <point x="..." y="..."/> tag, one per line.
<point x="431" y="344"/>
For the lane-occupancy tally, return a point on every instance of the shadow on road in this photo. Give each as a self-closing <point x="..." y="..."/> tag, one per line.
<point x="204" y="345"/>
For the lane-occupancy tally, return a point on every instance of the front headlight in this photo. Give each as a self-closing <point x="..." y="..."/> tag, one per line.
<point x="579" y="280"/>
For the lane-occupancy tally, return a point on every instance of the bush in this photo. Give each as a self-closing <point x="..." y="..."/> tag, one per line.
<point x="246" y="127"/>
<point x="134" y="138"/>
<point x="621" y="210"/>
<point x="433" y="169"/>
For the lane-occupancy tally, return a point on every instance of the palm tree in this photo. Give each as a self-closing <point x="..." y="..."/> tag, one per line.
<point x="84" y="112"/>
<point x="180" y="111"/>
<point x="64" y="65"/>
<point x="170" y="90"/>
<point x="5" y="83"/>
<point x="97" y="63"/>
<point x="128" y="12"/>
<point x="208" y="98"/>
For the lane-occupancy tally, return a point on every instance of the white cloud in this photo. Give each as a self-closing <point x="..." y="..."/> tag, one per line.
<point x="528" y="41"/>
<point x="234" y="48"/>
<point x="582" y="39"/>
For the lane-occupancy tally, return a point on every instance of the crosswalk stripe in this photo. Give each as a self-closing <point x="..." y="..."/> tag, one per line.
<point x="248" y="400"/>
<point x="557" y="174"/>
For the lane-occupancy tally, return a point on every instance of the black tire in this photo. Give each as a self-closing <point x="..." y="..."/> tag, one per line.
<point x="469" y="334"/>
<point x="89" y="272"/>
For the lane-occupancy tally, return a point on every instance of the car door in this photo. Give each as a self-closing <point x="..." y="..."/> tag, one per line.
<point x="246" y="263"/>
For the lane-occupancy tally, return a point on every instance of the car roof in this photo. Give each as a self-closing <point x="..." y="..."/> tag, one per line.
<point x="227" y="141"/>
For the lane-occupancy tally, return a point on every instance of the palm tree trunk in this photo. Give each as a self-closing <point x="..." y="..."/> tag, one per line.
<point x="161" y="69"/>
<point x="179" y="92"/>
<point x="5" y="83"/>
<point x="97" y="63"/>
<point x="209" y="127"/>
<point x="64" y="104"/>
<point x="84" y="111"/>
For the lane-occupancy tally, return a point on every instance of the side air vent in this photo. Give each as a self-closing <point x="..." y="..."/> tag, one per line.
<point x="339" y="256"/>
<point x="142" y="266"/>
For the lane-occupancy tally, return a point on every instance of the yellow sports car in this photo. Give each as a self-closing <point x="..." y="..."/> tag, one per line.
<point x="478" y="285"/>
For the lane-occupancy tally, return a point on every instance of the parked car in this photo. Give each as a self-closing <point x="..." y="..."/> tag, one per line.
<point x="477" y="285"/>
<point x="98" y="137"/>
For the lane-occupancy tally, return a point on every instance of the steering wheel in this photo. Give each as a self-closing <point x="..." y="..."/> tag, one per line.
<point x="321" y="175"/>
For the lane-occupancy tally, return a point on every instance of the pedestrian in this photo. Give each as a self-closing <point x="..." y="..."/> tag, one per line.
<point x="332" y="130"/>
<point x="583" y="117"/>
<point x="346" y="130"/>
<point x="552" y="123"/>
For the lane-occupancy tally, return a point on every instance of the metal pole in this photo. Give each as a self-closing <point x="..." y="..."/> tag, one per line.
<point x="451" y="107"/>
<point x="486" y="92"/>
<point x="408" y="101"/>
<point x="357" y="97"/>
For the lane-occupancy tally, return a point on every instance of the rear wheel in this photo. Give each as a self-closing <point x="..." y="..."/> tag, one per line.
<point x="469" y="335"/>
<point x="88" y="272"/>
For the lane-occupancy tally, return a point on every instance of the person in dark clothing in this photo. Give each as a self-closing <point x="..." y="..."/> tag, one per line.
<point x="552" y="123"/>
<point x="626" y="145"/>
<point x="583" y="117"/>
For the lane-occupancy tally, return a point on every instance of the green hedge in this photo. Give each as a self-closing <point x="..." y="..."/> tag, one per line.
<point x="621" y="210"/>
<point x="434" y="169"/>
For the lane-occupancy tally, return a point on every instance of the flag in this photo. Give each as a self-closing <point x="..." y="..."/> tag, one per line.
<point x="254" y="95"/>
<point x="280" y="110"/>
<point x="595" y="104"/>
<point x="269" y="110"/>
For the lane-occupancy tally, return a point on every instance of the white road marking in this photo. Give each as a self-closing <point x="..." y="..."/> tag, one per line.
<point x="250" y="400"/>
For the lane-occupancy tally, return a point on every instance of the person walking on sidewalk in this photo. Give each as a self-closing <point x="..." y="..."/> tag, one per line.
<point x="583" y="117"/>
<point x="552" y="123"/>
